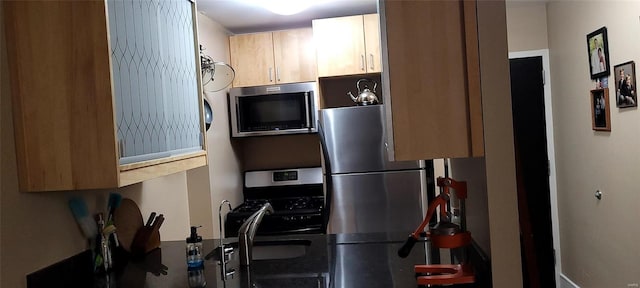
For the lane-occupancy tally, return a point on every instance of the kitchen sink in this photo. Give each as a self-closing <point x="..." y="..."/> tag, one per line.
<point x="271" y="249"/>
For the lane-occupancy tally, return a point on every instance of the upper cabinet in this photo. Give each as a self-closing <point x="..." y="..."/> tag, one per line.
<point x="115" y="100"/>
<point x="372" y="43"/>
<point x="347" y="45"/>
<point x="432" y="90"/>
<point x="294" y="55"/>
<point x="268" y="58"/>
<point x="252" y="59"/>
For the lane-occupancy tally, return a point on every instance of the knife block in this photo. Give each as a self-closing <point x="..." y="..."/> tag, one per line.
<point x="146" y="240"/>
<point x="135" y="237"/>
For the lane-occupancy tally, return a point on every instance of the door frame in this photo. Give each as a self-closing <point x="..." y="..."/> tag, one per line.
<point x="553" y="186"/>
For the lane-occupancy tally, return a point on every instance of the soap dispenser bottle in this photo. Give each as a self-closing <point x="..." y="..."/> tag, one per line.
<point x="195" y="262"/>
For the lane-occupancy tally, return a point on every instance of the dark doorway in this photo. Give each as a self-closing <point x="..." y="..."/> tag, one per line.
<point x="532" y="172"/>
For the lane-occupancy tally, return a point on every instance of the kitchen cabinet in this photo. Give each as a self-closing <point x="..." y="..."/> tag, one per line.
<point x="294" y="55"/>
<point x="279" y="57"/>
<point x="347" y="45"/>
<point x="105" y="93"/>
<point x="252" y="59"/>
<point x="432" y="89"/>
<point x="372" y="43"/>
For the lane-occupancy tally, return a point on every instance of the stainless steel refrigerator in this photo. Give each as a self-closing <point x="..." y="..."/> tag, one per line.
<point x="364" y="191"/>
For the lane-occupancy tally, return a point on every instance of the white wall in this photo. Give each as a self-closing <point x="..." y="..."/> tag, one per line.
<point x="473" y="171"/>
<point x="599" y="239"/>
<point x="527" y="25"/>
<point x="222" y="178"/>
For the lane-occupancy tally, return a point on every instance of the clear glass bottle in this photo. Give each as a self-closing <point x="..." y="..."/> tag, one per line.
<point x="195" y="262"/>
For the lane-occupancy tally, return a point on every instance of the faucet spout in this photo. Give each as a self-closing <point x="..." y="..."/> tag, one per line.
<point x="248" y="231"/>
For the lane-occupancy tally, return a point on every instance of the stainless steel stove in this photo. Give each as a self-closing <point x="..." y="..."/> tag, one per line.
<point x="296" y="196"/>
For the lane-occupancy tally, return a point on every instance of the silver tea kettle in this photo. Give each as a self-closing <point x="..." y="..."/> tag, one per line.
<point x="365" y="96"/>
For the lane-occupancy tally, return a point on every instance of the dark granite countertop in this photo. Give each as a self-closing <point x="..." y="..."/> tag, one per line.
<point x="337" y="261"/>
<point x="329" y="261"/>
<point x="345" y="260"/>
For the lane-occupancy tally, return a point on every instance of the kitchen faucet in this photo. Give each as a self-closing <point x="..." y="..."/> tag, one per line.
<point x="225" y="252"/>
<point x="248" y="231"/>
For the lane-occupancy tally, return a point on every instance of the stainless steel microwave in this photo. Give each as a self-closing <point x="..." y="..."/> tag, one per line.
<point x="273" y="110"/>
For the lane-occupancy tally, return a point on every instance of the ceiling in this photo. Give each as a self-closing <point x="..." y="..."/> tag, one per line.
<point x="242" y="16"/>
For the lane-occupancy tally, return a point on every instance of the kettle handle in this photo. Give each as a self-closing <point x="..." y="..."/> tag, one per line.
<point x="375" y="84"/>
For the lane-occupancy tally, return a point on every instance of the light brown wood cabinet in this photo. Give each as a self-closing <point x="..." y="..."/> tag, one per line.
<point x="372" y="43"/>
<point x="347" y="45"/>
<point x="93" y="107"/>
<point x="286" y="56"/>
<point x="432" y="89"/>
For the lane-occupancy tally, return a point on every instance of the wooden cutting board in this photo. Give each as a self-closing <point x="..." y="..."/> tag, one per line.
<point x="128" y="221"/>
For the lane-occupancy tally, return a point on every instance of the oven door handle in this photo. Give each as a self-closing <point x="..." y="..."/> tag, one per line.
<point x="296" y="231"/>
<point x="307" y="104"/>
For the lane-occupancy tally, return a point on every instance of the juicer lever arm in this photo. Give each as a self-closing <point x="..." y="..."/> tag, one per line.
<point x="413" y="237"/>
<point x="441" y="200"/>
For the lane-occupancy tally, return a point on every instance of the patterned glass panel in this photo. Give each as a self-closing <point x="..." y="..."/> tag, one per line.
<point x="154" y="75"/>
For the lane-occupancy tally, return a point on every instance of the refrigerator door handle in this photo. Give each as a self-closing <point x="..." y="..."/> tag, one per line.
<point x="328" y="181"/>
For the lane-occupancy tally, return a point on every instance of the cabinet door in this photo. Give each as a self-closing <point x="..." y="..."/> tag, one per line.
<point x="432" y="90"/>
<point x="294" y="53"/>
<point x="62" y="100"/>
<point x="252" y="59"/>
<point x="372" y="43"/>
<point x="339" y="46"/>
<point x="155" y="79"/>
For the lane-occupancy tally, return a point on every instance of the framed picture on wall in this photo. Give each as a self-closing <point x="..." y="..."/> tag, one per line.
<point x="600" y="115"/>
<point x="598" y="51"/>
<point x="625" y="77"/>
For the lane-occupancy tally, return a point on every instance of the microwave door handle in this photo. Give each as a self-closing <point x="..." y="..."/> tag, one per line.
<point x="239" y="119"/>
<point x="307" y="103"/>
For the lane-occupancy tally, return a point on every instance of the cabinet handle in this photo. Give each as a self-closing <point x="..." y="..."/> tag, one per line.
<point x="278" y="74"/>
<point x="371" y="58"/>
<point x="307" y="102"/>
<point x="362" y="62"/>
<point x="270" y="77"/>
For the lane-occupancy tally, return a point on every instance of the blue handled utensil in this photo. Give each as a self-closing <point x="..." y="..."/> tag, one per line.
<point x="81" y="214"/>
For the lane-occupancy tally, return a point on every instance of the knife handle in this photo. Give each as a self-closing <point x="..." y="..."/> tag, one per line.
<point x="151" y="218"/>
<point x="156" y="224"/>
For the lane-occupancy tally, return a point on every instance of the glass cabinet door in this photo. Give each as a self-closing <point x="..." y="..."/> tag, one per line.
<point x="154" y="72"/>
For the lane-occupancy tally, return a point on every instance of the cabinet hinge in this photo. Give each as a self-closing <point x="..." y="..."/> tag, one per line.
<point x="544" y="80"/>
